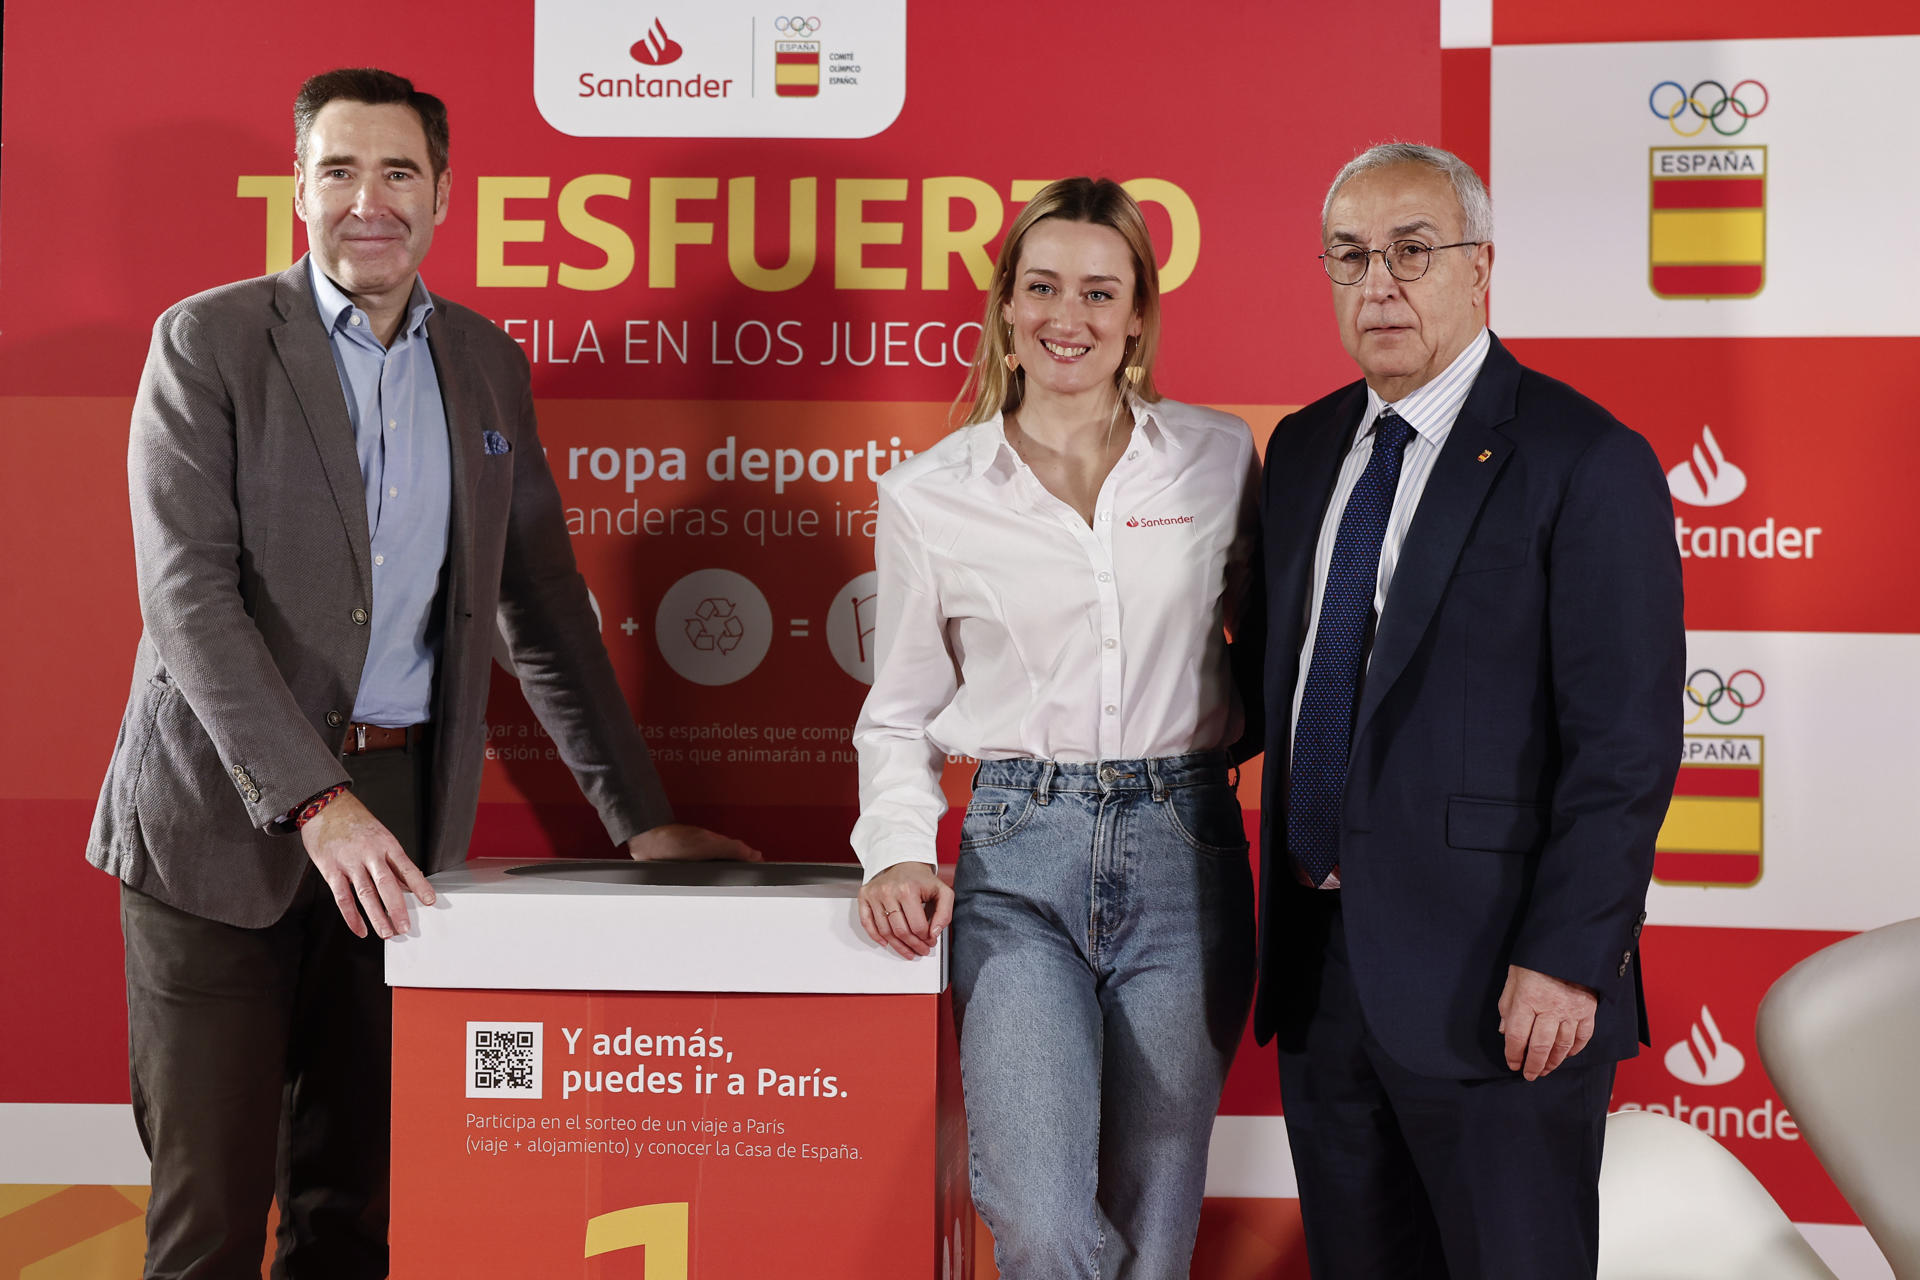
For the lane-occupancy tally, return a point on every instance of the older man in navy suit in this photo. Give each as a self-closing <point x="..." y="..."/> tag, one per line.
<point x="1473" y="670"/>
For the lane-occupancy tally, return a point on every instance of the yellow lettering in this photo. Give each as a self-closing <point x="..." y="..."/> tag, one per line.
<point x="660" y="1229"/>
<point x="852" y="233"/>
<point x="496" y="231"/>
<point x="1183" y="249"/>
<point x="666" y="233"/>
<point x="803" y="222"/>
<point x="601" y="234"/>
<point x="1025" y="189"/>
<point x="277" y="190"/>
<point x="939" y="240"/>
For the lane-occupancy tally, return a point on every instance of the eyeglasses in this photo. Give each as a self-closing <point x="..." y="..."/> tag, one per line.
<point x="1406" y="260"/>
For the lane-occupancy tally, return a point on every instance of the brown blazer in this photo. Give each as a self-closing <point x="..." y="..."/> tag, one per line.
<point x="251" y="544"/>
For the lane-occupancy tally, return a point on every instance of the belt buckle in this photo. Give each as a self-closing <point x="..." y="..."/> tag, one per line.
<point x="360" y="739"/>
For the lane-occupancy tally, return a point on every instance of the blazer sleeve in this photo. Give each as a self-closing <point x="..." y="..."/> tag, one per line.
<point x="1617" y="640"/>
<point x="554" y="639"/>
<point x="187" y="555"/>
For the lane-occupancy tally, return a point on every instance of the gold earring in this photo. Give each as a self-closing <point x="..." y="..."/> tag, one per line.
<point x="1012" y="360"/>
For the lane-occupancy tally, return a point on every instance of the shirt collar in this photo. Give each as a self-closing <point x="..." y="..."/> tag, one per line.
<point x="990" y="443"/>
<point x="334" y="306"/>
<point x="1431" y="410"/>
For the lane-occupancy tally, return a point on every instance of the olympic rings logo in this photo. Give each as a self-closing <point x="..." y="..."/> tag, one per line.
<point x="1708" y="695"/>
<point x="1729" y="105"/>
<point x="801" y="26"/>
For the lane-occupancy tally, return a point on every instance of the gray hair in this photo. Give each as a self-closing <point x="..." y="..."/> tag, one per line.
<point x="1476" y="207"/>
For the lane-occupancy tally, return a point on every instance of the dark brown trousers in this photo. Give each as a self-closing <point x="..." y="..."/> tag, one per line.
<point x="260" y="1062"/>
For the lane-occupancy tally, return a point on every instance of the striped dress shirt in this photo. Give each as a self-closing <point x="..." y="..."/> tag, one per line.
<point x="1431" y="412"/>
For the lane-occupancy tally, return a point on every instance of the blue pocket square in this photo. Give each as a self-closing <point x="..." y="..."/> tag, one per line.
<point x="495" y="442"/>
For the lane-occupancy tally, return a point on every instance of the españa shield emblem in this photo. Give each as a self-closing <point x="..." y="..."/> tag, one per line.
<point x="796" y="69"/>
<point x="1707" y="215"/>
<point x="1713" y="832"/>
<point x="1707" y="233"/>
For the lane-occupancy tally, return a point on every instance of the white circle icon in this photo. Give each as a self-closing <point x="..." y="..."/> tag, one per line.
<point x="850" y="620"/>
<point x="713" y="627"/>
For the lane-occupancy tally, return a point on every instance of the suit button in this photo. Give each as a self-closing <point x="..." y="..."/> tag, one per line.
<point x="1626" y="958"/>
<point x="335" y="719"/>
<point x="360" y="617"/>
<point x="1636" y="928"/>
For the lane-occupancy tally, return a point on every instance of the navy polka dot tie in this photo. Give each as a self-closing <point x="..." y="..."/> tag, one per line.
<point x="1323" y="736"/>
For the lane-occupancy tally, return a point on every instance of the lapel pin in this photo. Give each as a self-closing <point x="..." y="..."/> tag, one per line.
<point x="1484" y="455"/>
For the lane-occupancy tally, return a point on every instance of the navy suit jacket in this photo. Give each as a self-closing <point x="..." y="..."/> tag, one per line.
<point x="1518" y="730"/>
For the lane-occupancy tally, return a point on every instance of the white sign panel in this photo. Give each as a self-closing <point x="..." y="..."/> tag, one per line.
<point x="1736" y="188"/>
<point x="607" y="69"/>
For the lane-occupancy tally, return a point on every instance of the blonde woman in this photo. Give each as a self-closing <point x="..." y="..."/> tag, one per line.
<point x="1054" y="579"/>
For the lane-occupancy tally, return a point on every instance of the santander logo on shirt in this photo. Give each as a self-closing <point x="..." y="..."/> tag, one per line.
<point x="1156" y="522"/>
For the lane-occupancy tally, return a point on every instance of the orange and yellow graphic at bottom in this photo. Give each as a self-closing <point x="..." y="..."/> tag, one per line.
<point x="80" y="1233"/>
<point x="96" y="1233"/>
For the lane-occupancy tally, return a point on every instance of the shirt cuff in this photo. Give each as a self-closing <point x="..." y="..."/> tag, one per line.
<point x="880" y="859"/>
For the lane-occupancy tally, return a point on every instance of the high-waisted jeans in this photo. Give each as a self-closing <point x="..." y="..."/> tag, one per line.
<point x="1102" y="968"/>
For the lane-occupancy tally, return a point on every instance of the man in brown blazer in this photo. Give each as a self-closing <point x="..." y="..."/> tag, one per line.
<point x="337" y="488"/>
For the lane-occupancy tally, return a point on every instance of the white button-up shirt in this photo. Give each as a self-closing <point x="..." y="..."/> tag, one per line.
<point x="1009" y="627"/>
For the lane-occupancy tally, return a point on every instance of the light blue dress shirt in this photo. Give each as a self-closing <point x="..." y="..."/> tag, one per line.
<point x="400" y="432"/>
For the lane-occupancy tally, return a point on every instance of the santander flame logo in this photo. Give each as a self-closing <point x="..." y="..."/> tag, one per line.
<point x="656" y="48"/>
<point x="1705" y="1057"/>
<point x="1707" y="479"/>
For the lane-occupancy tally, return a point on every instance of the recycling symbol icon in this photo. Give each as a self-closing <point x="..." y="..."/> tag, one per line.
<point x="715" y="626"/>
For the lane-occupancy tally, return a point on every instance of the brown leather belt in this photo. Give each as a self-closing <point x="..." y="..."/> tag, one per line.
<point x="363" y="738"/>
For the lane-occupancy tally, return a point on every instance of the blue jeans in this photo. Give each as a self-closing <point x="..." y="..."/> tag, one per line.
<point x="1102" y="967"/>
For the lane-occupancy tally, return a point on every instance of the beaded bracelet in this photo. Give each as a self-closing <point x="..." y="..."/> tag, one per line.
<point x="311" y="809"/>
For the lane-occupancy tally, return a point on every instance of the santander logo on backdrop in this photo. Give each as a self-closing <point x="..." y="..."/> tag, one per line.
<point x="1699" y="1085"/>
<point x="1705" y="1057"/>
<point x="1707" y="479"/>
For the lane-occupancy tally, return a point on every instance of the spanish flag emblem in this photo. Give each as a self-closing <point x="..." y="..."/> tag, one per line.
<point x="1707" y="236"/>
<point x="1713" y="832"/>
<point x="796" y="69"/>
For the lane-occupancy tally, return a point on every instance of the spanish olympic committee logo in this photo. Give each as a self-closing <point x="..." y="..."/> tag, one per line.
<point x="1707" y="215"/>
<point x="1714" y="833"/>
<point x="796" y="59"/>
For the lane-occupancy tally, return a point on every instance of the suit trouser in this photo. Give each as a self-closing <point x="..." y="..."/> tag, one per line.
<point x="260" y="1061"/>
<point x="1409" y="1177"/>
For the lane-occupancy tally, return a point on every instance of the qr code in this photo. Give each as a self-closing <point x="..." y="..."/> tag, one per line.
<point x="503" y="1059"/>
